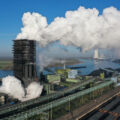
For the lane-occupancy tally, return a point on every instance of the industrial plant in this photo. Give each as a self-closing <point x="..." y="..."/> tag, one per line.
<point x="25" y="61"/>
<point x="66" y="94"/>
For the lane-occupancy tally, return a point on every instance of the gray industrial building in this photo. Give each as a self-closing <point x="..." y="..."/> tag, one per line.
<point x="25" y="60"/>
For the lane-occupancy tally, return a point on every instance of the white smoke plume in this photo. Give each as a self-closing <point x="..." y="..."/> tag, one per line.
<point x="44" y="61"/>
<point x="34" y="90"/>
<point x="83" y="28"/>
<point x="13" y="87"/>
<point x="52" y="55"/>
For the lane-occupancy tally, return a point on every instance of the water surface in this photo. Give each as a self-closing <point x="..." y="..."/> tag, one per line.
<point x="92" y="65"/>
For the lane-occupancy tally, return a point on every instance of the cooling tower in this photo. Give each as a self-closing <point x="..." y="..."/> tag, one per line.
<point x="24" y="60"/>
<point x="96" y="56"/>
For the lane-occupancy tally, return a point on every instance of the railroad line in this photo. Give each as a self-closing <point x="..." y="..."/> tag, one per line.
<point x="108" y="110"/>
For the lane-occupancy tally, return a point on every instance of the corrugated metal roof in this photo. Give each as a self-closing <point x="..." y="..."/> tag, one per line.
<point x="4" y="73"/>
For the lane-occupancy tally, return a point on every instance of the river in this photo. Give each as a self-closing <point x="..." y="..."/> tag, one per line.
<point x="90" y="64"/>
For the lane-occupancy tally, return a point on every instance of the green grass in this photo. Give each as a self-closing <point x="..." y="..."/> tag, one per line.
<point x="5" y="64"/>
<point x="67" y="84"/>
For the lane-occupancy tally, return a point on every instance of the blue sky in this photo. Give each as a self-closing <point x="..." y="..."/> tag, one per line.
<point x="11" y="12"/>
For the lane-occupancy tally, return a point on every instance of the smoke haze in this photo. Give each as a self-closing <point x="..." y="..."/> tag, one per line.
<point x="13" y="87"/>
<point x="34" y="90"/>
<point x="83" y="28"/>
<point x="54" y="53"/>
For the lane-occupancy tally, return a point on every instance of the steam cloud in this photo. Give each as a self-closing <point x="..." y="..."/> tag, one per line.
<point x="34" y="90"/>
<point x="13" y="87"/>
<point x="44" y="61"/>
<point x="83" y="28"/>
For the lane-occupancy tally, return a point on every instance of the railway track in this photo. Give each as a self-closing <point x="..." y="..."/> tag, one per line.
<point x="109" y="110"/>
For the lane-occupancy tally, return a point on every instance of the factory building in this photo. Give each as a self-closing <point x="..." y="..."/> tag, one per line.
<point x="72" y="74"/>
<point x="24" y="60"/>
<point x="54" y="79"/>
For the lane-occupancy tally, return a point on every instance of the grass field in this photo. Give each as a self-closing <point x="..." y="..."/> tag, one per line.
<point x="6" y="65"/>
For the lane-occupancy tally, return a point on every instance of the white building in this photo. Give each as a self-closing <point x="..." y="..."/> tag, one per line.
<point x="72" y="74"/>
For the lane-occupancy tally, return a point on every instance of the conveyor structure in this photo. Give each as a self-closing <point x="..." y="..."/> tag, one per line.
<point x="66" y="103"/>
<point x="46" y="98"/>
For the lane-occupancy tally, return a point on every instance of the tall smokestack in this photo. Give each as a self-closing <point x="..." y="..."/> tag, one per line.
<point x="24" y="60"/>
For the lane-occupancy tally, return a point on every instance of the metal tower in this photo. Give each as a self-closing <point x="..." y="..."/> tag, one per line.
<point x="24" y="60"/>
